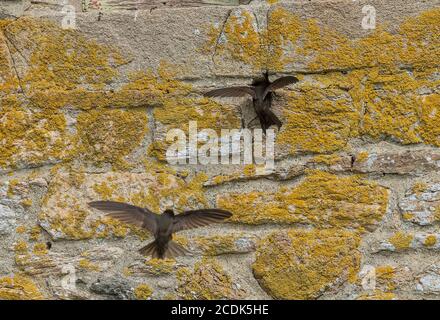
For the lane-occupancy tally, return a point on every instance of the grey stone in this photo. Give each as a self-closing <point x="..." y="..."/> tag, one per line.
<point x="115" y="287"/>
<point x="7" y="219"/>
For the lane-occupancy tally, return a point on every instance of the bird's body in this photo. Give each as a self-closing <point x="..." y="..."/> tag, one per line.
<point x="261" y="92"/>
<point x="161" y="226"/>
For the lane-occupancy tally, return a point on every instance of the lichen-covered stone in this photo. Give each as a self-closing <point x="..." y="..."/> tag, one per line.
<point x="65" y="213"/>
<point x="109" y="136"/>
<point x="301" y="264"/>
<point x="421" y="206"/>
<point x="326" y="110"/>
<point x="322" y="200"/>
<point x="208" y="281"/>
<point x="401" y="240"/>
<point x="152" y="267"/>
<point x="429" y="281"/>
<point x="47" y="263"/>
<point x="225" y="244"/>
<point x="407" y="162"/>
<point x="143" y="292"/>
<point x="19" y="288"/>
<point x="84" y="114"/>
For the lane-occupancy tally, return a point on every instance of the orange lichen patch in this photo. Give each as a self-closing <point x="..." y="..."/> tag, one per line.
<point x="107" y="136"/>
<point x="67" y="71"/>
<point x="322" y="199"/>
<point x="19" y="288"/>
<point x="143" y="292"/>
<point x="161" y="266"/>
<point x="315" y="123"/>
<point x="40" y="249"/>
<point x="419" y="187"/>
<point x="21" y="246"/>
<point x="430" y="241"/>
<point x="27" y="203"/>
<point x="328" y="159"/>
<point x="61" y="63"/>
<point x="430" y="117"/>
<point x="34" y="233"/>
<point x="249" y="170"/>
<point x="208" y="281"/>
<point x="401" y="240"/>
<point x="88" y="265"/>
<point x="300" y="264"/>
<point x="20" y="229"/>
<point x="408" y="216"/>
<point x="385" y="277"/>
<point x="362" y="156"/>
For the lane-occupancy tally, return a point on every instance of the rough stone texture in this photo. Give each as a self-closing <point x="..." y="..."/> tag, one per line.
<point x="421" y="203"/>
<point x="414" y="162"/>
<point x="350" y="210"/>
<point x="303" y="264"/>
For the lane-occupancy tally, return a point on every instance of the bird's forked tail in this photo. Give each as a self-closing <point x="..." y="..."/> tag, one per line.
<point x="172" y="250"/>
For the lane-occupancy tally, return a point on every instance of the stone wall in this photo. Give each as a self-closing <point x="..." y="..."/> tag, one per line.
<point x="88" y="92"/>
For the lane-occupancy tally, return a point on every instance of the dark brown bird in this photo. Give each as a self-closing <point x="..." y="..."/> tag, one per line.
<point x="161" y="226"/>
<point x="261" y="93"/>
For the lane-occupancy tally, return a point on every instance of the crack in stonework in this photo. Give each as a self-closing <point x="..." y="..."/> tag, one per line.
<point x="14" y="64"/>
<point x="219" y="36"/>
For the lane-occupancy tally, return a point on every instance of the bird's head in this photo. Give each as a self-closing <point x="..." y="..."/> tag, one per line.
<point x="261" y="80"/>
<point x="169" y="212"/>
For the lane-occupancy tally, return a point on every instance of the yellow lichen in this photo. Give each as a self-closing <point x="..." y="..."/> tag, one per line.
<point x="65" y="71"/>
<point x="419" y="187"/>
<point x="408" y="216"/>
<point x="34" y="233"/>
<point x="208" y="281"/>
<point x="27" y="203"/>
<point x="364" y="89"/>
<point x="21" y="246"/>
<point x="143" y="292"/>
<point x="88" y="265"/>
<point x="300" y="264"/>
<point x="385" y="277"/>
<point x="362" y="156"/>
<point x="249" y="170"/>
<point x="430" y="240"/>
<point x="19" y="288"/>
<point x="105" y="137"/>
<point x="322" y="199"/>
<point x="65" y="208"/>
<point x="161" y="266"/>
<point x="218" y="244"/>
<point x="20" y="229"/>
<point x="40" y="249"/>
<point x="327" y="159"/>
<point x="401" y="240"/>
<point x="104" y="190"/>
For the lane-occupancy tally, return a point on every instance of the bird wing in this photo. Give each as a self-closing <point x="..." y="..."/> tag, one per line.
<point x="199" y="218"/>
<point x="231" y="92"/>
<point x="128" y="213"/>
<point x="279" y="83"/>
